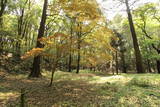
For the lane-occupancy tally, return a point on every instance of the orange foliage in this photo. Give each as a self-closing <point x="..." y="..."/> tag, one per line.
<point x="33" y="52"/>
<point x="48" y="42"/>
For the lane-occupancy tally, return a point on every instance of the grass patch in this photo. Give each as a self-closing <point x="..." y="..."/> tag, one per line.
<point x="83" y="90"/>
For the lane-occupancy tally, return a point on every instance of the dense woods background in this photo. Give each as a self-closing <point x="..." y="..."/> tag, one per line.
<point x="76" y="35"/>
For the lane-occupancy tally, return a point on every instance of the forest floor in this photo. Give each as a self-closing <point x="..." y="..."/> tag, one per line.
<point x="81" y="90"/>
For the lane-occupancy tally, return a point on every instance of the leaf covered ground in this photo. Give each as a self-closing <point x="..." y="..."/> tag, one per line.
<point x="81" y="90"/>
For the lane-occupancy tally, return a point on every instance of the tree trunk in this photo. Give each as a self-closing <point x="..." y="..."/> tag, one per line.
<point x="112" y="65"/>
<point x="158" y="66"/>
<point x="36" y="62"/>
<point x="54" y="65"/>
<point x="116" y="58"/>
<point x="79" y="49"/>
<point x="53" y="71"/>
<point x="22" y="100"/>
<point x="3" y="6"/>
<point x="149" y="66"/>
<point x="79" y="56"/>
<point x="158" y="61"/>
<point x="21" y="26"/>
<point x="153" y="46"/>
<point x="138" y="56"/>
<point x="70" y="63"/>
<point x="70" y="53"/>
<point x="36" y="67"/>
<point x="18" y="46"/>
<point x="123" y="63"/>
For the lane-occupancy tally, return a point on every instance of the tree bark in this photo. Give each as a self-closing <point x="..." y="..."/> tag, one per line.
<point x="53" y="71"/>
<point x="158" y="61"/>
<point x="79" y="57"/>
<point x="70" y="53"/>
<point x="124" y="70"/>
<point x="139" y="65"/>
<point x="36" y="62"/>
<point x="79" y="49"/>
<point x="153" y="46"/>
<point x="158" y="66"/>
<point x="3" y="6"/>
<point x="116" y="58"/>
<point x="70" y="63"/>
<point x="149" y="66"/>
<point x="112" y="64"/>
<point x="21" y="26"/>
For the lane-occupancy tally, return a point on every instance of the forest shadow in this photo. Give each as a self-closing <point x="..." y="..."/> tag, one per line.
<point x="78" y="92"/>
<point x="63" y="92"/>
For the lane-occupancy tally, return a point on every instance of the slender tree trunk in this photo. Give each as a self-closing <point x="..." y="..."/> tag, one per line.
<point x="18" y="46"/>
<point x="94" y="69"/>
<point x="149" y="66"/>
<point x="79" y="57"/>
<point x="36" y="62"/>
<point x="70" y="63"/>
<point x="123" y="63"/>
<point x="53" y="71"/>
<point x="1" y="45"/>
<point x="20" y="23"/>
<point x="54" y="65"/>
<point x="153" y="46"/>
<point x="22" y="100"/>
<point x="21" y="26"/>
<point x="158" y="61"/>
<point x="3" y="6"/>
<point x="70" y="53"/>
<point x="112" y="64"/>
<point x="158" y="66"/>
<point x="79" y="49"/>
<point x="116" y="59"/>
<point x="139" y="65"/>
